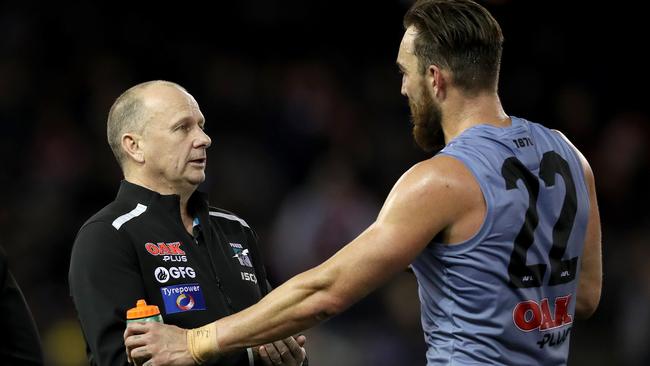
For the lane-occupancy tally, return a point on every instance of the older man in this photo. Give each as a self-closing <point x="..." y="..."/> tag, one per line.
<point x="159" y="240"/>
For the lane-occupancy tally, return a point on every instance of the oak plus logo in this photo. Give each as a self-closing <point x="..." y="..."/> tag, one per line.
<point x="532" y="315"/>
<point x="163" y="274"/>
<point x="170" y="252"/>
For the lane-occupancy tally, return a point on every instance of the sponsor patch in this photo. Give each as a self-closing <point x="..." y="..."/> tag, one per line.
<point x="181" y="298"/>
<point x="241" y="254"/>
<point x="163" y="274"/>
<point x="170" y="252"/>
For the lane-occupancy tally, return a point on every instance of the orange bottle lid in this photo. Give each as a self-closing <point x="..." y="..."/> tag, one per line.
<point x="142" y="310"/>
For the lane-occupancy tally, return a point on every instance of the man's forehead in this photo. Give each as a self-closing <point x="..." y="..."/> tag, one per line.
<point x="406" y="54"/>
<point x="407" y="41"/>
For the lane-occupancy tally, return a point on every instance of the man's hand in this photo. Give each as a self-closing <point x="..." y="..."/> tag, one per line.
<point x="153" y="343"/>
<point x="287" y="352"/>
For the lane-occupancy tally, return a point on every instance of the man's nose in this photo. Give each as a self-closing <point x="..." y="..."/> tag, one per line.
<point x="203" y="140"/>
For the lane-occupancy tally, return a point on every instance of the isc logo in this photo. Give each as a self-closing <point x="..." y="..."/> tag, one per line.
<point x="530" y="315"/>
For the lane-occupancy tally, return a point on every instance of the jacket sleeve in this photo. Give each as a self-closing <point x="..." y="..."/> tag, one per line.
<point x="105" y="281"/>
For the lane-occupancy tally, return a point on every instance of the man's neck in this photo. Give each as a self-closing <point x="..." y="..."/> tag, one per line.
<point x="184" y="196"/>
<point x="463" y="112"/>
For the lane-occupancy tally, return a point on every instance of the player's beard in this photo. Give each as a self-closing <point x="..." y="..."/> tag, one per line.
<point x="426" y="116"/>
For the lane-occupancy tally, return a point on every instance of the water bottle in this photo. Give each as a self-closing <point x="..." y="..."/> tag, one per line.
<point x="143" y="313"/>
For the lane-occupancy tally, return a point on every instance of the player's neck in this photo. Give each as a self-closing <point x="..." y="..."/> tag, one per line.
<point x="464" y="112"/>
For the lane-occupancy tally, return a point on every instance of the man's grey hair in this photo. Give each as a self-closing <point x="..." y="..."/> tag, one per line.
<point x="128" y="114"/>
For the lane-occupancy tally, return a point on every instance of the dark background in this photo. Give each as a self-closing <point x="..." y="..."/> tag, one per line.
<point x="309" y="133"/>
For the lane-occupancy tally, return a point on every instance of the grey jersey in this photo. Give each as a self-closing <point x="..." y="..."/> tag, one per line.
<point x="507" y="295"/>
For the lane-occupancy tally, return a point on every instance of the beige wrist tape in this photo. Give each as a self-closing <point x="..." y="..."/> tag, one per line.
<point x="202" y="343"/>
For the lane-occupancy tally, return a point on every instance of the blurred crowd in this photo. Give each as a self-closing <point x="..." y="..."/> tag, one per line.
<point x="309" y="133"/>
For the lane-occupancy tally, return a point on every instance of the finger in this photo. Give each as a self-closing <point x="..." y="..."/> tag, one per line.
<point x="273" y="353"/>
<point x="137" y="328"/>
<point x="140" y="355"/>
<point x="265" y="356"/>
<point x="132" y="342"/>
<point x="136" y="341"/>
<point x="293" y="348"/>
<point x="285" y="352"/>
<point x="301" y="339"/>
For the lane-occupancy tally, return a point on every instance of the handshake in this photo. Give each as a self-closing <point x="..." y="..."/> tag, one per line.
<point x="154" y="343"/>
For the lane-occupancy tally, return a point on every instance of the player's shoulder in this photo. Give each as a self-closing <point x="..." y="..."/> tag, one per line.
<point x="442" y="169"/>
<point x="589" y="175"/>
<point x="441" y="178"/>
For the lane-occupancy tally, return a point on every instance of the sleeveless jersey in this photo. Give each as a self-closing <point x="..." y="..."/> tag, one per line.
<point x="507" y="295"/>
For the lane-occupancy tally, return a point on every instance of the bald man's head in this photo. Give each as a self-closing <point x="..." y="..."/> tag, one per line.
<point x="129" y="114"/>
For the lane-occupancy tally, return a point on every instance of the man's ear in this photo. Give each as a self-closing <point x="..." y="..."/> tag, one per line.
<point x="437" y="79"/>
<point x="132" y="144"/>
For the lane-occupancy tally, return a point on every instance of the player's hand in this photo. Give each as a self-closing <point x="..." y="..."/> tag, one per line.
<point x="152" y="343"/>
<point x="287" y="352"/>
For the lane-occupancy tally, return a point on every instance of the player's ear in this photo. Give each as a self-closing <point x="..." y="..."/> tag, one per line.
<point x="133" y="144"/>
<point x="437" y="80"/>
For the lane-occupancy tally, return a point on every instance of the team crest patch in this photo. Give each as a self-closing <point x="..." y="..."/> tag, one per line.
<point x="181" y="298"/>
<point x="241" y="254"/>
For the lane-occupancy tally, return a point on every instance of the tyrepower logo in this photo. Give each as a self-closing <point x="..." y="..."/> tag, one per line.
<point x="170" y="252"/>
<point x="163" y="274"/>
<point x="183" y="297"/>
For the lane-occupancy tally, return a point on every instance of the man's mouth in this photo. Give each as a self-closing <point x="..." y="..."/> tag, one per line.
<point x="199" y="161"/>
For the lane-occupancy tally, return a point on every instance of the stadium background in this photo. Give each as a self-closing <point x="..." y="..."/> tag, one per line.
<point x="309" y="133"/>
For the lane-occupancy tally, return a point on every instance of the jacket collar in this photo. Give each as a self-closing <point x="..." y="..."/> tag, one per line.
<point x="133" y="193"/>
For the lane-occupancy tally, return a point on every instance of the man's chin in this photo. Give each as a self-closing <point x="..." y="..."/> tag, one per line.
<point x="196" y="179"/>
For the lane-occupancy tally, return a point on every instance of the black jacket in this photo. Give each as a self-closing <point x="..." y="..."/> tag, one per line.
<point x="137" y="248"/>
<point x="19" y="342"/>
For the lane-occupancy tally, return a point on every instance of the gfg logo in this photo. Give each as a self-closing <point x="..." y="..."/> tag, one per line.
<point x="163" y="274"/>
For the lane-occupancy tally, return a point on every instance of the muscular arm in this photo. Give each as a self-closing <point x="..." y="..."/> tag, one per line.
<point x="423" y="202"/>
<point x="430" y="198"/>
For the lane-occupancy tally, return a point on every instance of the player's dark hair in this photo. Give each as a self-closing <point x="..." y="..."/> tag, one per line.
<point x="460" y="36"/>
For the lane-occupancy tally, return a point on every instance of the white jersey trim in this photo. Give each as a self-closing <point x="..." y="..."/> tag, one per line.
<point x="137" y="211"/>
<point x="229" y="217"/>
